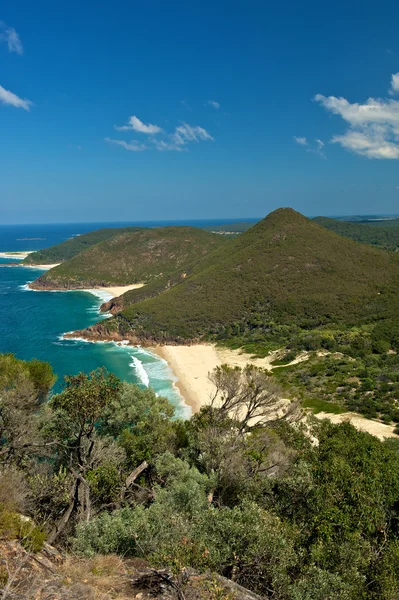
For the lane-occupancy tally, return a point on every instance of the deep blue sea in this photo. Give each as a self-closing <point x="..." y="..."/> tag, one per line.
<point x="33" y="323"/>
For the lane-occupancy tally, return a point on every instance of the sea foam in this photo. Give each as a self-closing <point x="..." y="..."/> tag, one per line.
<point x="140" y="371"/>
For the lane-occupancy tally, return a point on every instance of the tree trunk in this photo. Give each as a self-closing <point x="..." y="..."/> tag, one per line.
<point x="132" y="478"/>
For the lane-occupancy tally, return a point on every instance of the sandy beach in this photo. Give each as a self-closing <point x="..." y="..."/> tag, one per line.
<point x="16" y="255"/>
<point x="118" y="290"/>
<point x="110" y="292"/>
<point x="47" y="267"/>
<point x="192" y="365"/>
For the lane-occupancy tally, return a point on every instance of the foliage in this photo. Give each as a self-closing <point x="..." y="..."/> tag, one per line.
<point x="142" y="420"/>
<point x="15" y="526"/>
<point x="384" y="235"/>
<point x="111" y="471"/>
<point x="354" y="378"/>
<point x="70" y="248"/>
<point x="283" y="276"/>
<point x="287" y="283"/>
<point x="23" y="387"/>
<point x="136" y="256"/>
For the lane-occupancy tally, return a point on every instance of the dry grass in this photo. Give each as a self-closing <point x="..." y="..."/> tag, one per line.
<point x="105" y="576"/>
<point x="12" y="490"/>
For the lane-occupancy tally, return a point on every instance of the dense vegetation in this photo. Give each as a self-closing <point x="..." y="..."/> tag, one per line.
<point x="139" y="256"/>
<point x="104" y="467"/>
<point x="70" y="248"/>
<point x="283" y="275"/>
<point x="287" y="282"/>
<point x="385" y="236"/>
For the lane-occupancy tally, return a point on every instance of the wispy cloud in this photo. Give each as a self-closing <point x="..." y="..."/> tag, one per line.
<point x="302" y="141"/>
<point x="134" y="124"/>
<point x="167" y="146"/>
<point x="185" y="133"/>
<point x="314" y="147"/>
<point x="177" y="141"/>
<point x="133" y="146"/>
<point x="394" y="89"/>
<point x="373" y="126"/>
<point x="319" y="148"/>
<point x="9" y="36"/>
<point x="7" y="97"/>
<point x="213" y="103"/>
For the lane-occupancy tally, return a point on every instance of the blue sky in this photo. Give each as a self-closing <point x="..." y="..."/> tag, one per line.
<point x="185" y="109"/>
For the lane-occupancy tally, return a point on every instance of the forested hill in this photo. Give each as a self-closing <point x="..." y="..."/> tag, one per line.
<point x="138" y="256"/>
<point x="384" y="235"/>
<point x="70" y="248"/>
<point x="286" y="270"/>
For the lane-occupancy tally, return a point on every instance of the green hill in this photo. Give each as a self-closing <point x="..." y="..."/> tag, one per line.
<point x="140" y="256"/>
<point x="286" y="283"/>
<point x="383" y="235"/>
<point x="284" y="273"/>
<point x="70" y="248"/>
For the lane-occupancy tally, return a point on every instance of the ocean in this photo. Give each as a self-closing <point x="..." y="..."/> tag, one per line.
<point x="33" y="323"/>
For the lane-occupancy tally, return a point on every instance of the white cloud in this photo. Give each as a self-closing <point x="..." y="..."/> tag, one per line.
<point x="135" y="124"/>
<point x="213" y="103"/>
<point x="11" y="99"/>
<point x="302" y="141"/>
<point x="394" y="84"/>
<point x="373" y="126"/>
<point x="133" y="146"/>
<point x="163" y="146"/>
<point x="314" y="147"/>
<point x="374" y="111"/>
<point x="9" y="36"/>
<point x="370" y="144"/>
<point x="185" y="133"/>
<point x="319" y="148"/>
<point x="177" y="141"/>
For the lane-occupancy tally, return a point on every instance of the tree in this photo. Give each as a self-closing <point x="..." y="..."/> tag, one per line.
<point x="250" y="396"/>
<point x="142" y="421"/>
<point x="23" y="386"/>
<point x="106" y="433"/>
<point x="70" y="421"/>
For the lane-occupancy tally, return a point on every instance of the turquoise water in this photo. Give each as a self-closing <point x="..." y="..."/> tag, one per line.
<point x="33" y="323"/>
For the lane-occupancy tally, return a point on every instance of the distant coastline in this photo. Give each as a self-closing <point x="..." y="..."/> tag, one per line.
<point x="16" y="255"/>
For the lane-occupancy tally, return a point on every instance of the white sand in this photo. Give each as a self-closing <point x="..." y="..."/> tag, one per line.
<point x="102" y="292"/>
<point x="16" y="255"/>
<point x="44" y="267"/>
<point x="192" y="365"/>
<point x="118" y="290"/>
<point x="379" y="430"/>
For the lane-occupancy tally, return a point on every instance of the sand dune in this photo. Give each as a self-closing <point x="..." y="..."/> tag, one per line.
<point x="192" y="365"/>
